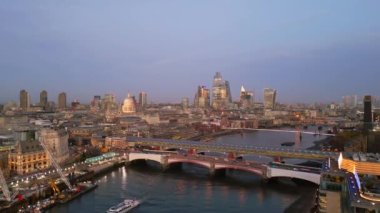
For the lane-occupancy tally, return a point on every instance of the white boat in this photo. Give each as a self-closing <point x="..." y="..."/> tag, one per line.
<point x="124" y="206"/>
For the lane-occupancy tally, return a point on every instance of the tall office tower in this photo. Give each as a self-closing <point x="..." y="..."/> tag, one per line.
<point x="185" y="102"/>
<point x="143" y="100"/>
<point x="368" y="112"/>
<point x="43" y="99"/>
<point x="62" y="101"/>
<point x="95" y="103"/>
<point x="24" y="100"/>
<point x="269" y="98"/>
<point x="246" y="98"/>
<point x="97" y="98"/>
<point x="109" y="103"/>
<point x="202" y="97"/>
<point x="228" y="92"/>
<point x="350" y="101"/>
<point x="221" y="94"/>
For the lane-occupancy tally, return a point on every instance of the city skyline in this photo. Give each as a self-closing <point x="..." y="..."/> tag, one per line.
<point x="311" y="52"/>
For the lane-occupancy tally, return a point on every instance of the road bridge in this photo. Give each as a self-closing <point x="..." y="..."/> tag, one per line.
<point x="217" y="165"/>
<point x="283" y="130"/>
<point x="165" y="144"/>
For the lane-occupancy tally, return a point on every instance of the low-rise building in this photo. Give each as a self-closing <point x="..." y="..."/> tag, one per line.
<point x="28" y="156"/>
<point x="57" y="142"/>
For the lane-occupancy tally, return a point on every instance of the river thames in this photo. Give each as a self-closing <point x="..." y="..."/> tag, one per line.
<point x="191" y="189"/>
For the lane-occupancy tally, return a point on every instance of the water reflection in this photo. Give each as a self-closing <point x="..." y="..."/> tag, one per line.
<point x="208" y="191"/>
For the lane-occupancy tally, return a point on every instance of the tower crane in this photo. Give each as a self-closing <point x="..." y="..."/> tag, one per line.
<point x="55" y="164"/>
<point x="4" y="187"/>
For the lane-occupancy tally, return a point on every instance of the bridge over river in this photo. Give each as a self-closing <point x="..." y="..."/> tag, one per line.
<point x="217" y="165"/>
<point x="165" y="144"/>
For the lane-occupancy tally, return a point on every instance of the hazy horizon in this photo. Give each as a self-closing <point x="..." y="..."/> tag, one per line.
<point x="308" y="51"/>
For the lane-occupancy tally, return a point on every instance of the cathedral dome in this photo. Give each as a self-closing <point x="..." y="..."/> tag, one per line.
<point x="129" y="105"/>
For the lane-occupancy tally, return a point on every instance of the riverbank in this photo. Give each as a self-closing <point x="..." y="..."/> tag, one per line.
<point x="305" y="203"/>
<point x="213" y="136"/>
<point x="320" y="143"/>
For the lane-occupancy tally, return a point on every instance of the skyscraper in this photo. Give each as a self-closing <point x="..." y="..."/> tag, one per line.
<point x="24" y="100"/>
<point x="246" y="98"/>
<point x="221" y="94"/>
<point x="62" y="101"/>
<point x="269" y="98"/>
<point x="142" y="100"/>
<point x="109" y="103"/>
<point x="43" y="99"/>
<point x="185" y="102"/>
<point x="202" y="97"/>
<point x="368" y="112"/>
<point x="350" y="101"/>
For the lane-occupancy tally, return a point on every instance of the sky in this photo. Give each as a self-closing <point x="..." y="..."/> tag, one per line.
<point x="310" y="51"/>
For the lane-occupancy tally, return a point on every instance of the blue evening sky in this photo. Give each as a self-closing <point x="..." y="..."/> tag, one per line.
<point x="310" y="51"/>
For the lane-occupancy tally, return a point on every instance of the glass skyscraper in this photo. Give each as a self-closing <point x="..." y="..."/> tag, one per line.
<point x="269" y="98"/>
<point x="221" y="93"/>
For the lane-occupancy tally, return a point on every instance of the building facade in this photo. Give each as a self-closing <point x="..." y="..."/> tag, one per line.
<point x="221" y="94"/>
<point x="62" y="101"/>
<point x="109" y="103"/>
<point x="58" y="143"/>
<point x="246" y="98"/>
<point x="28" y="155"/>
<point x="185" y="102"/>
<point x="24" y="100"/>
<point x="202" y="97"/>
<point x="43" y="99"/>
<point x="368" y="112"/>
<point x="269" y="98"/>
<point x="143" y="100"/>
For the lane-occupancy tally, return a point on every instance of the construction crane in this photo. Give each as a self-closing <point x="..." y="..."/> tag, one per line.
<point x="4" y="187"/>
<point x="56" y="165"/>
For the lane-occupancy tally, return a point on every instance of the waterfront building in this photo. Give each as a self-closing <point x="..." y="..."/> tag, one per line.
<point x="270" y="98"/>
<point x="246" y="98"/>
<point x="57" y="142"/>
<point x="24" y="100"/>
<point x="221" y="94"/>
<point x="43" y="99"/>
<point x="62" y="101"/>
<point x="368" y="112"/>
<point x="28" y="155"/>
<point x="143" y="100"/>
<point x="330" y="191"/>
<point x="129" y="105"/>
<point x="202" y="97"/>
<point x="116" y="142"/>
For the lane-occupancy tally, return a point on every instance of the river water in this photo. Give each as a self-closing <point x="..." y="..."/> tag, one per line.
<point x="191" y="189"/>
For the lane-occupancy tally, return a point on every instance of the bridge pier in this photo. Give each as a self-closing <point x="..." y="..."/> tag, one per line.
<point x="277" y="159"/>
<point x="192" y="151"/>
<point x="175" y="166"/>
<point x="218" y="172"/>
<point x="231" y="156"/>
<point x="164" y="163"/>
<point x="126" y="159"/>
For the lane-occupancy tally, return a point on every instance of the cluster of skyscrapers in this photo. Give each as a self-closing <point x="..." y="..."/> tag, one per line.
<point x="220" y="96"/>
<point x="44" y="104"/>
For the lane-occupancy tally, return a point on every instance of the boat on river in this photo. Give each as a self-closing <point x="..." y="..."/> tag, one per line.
<point x="124" y="206"/>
